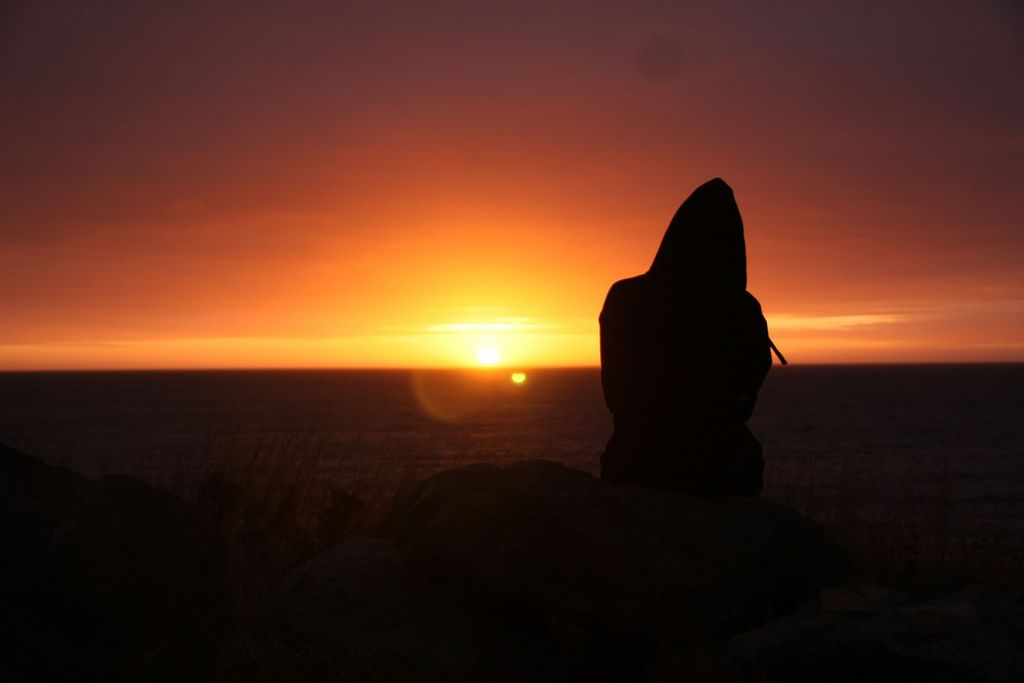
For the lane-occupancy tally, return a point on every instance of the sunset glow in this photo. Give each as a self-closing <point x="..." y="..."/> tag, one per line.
<point x="487" y="356"/>
<point x="449" y="185"/>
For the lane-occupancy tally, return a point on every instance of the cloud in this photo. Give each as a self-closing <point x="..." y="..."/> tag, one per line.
<point x="834" y="322"/>
<point x="503" y="325"/>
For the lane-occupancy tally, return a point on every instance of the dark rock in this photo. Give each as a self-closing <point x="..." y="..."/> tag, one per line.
<point x="358" y="612"/>
<point x="119" y="578"/>
<point x="859" y="633"/>
<point x="635" y="558"/>
<point x="533" y="571"/>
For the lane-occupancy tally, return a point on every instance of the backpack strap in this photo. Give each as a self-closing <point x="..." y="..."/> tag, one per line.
<point x="782" y="359"/>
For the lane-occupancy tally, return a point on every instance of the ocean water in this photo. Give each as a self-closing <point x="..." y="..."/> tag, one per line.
<point x="932" y="449"/>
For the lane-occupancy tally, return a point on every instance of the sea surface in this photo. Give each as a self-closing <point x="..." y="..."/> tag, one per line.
<point x="931" y="449"/>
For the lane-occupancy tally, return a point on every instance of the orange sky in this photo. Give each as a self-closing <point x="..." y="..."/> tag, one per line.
<point x="383" y="184"/>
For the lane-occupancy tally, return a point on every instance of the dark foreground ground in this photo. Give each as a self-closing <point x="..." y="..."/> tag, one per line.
<point x="531" y="571"/>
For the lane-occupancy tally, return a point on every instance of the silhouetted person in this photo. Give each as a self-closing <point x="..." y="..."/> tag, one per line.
<point x="684" y="350"/>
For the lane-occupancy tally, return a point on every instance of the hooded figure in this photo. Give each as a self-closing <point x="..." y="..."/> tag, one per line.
<point x="684" y="350"/>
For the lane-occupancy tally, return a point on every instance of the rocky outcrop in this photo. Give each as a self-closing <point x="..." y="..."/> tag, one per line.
<point x="533" y="571"/>
<point x="867" y="633"/>
<point x="108" y="579"/>
<point x="569" y="544"/>
<point x="528" y="572"/>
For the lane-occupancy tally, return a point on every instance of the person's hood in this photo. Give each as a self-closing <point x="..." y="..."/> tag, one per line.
<point x="704" y="245"/>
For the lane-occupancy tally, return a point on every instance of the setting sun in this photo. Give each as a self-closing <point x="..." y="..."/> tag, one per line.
<point x="518" y="377"/>
<point x="487" y="355"/>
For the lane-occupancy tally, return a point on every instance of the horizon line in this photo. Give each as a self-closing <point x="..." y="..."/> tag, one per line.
<point x="467" y="368"/>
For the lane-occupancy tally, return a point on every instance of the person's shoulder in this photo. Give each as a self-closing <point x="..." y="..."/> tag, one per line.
<point x="751" y="301"/>
<point x="751" y="311"/>
<point x="622" y="294"/>
<point x="628" y="286"/>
